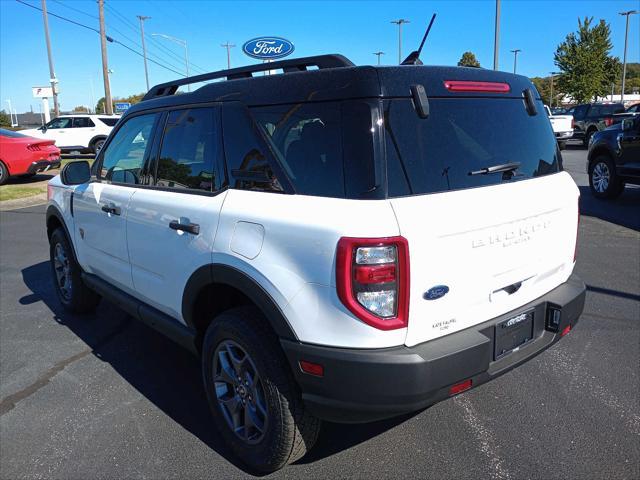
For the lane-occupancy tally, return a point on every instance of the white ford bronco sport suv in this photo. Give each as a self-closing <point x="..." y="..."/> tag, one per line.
<point x="341" y="243"/>
<point x="80" y="132"/>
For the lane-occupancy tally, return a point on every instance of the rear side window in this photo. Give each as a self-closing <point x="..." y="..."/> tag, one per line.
<point x="249" y="160"/>
<point x="110" y="122"/>
<point x="308" y="141"/>
<point x="82" y="122"/>
<point x="461" y="136"/>
<point x="189" y="151"/>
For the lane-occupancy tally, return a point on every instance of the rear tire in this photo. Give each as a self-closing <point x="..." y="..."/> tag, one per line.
<point x="253" y="381"/>
<point x="73" y="294"/>
<point x="97" y="145"/>
<point x="4" y="173"/>
<point x="603" y="179"/>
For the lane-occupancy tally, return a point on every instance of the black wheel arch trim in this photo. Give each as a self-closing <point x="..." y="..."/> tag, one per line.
<point x="233" y="277"/>
<point x="53" y="211"/>
<point x="96" y="138"/>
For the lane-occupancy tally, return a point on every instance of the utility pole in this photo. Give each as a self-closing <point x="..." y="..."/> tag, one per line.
<point x="399" y="22"/>
<point x="551" y="94"/>
<point x="52" y="73"/>
<point x="496" y="40"/>
<point x="624" y="62"/>
<point x="228" y="46"/>
<point x="515" y="58"/>
<point x="142" y="18"/>
<point x="108" y="106"/>
<point x="377" y="54"/>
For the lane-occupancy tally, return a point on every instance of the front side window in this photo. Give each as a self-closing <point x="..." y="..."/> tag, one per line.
<point x="109" y="121"/>
<point x="124" y="157"/>
<point x="59" y="123"/>
<point x="189" y="151"/>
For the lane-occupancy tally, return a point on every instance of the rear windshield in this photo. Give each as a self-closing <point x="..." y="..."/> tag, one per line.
<point x="464" y="135"/>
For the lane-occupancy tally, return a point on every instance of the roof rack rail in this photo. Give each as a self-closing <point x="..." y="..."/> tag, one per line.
<point x="288" y="66"/>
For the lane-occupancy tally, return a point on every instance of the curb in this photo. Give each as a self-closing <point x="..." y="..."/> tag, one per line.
<point x="32" y="201"/>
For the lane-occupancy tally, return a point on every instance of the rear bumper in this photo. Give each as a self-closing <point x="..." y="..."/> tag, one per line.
<point x="42" y="165"/>
<point x="564" y="135"/>
<point x="368" y="385"/>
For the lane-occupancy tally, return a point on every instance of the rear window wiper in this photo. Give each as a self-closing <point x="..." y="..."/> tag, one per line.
<point x="505" y="167"/>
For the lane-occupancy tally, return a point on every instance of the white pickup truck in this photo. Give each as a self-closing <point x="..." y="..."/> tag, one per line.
<point x="562" y="127"/>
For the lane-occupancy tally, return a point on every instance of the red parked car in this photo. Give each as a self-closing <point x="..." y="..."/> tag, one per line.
<point x="25" y="156"/>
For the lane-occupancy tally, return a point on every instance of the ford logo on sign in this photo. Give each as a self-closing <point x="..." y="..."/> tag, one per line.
<point x="268" y="48"/>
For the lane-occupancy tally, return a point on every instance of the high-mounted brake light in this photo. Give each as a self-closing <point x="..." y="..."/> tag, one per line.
<point x="472" y="86"/>
<point x="372" y="280"/>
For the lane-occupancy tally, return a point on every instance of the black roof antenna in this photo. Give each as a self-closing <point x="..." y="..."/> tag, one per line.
<point x="414" y="57"/>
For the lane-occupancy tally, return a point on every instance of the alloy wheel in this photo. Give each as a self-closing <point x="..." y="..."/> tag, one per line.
<point x="240" y="392"/>
<point x="62" y="268"/>
<point x="601" y="177"/>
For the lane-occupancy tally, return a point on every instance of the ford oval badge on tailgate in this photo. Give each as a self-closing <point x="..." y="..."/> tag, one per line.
<point x="268" y="48"/>
<point x="436" y="292"/>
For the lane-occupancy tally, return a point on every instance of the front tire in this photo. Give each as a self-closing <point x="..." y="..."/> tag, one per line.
<point x="73" y="294"/>
<point x="4" y="173"/>
<point x="255" y="402"/>
<point x="603" y="179"/>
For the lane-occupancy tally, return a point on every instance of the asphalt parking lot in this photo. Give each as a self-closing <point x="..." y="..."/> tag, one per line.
<point x="106" y="397"/>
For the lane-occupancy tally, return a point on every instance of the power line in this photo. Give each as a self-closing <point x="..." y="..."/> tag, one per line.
<point x="75" y="9"/>
<point x="109" y="39"/>
<point x="152" y="41"/>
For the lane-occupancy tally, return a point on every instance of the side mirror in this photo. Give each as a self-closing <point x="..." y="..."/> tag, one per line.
<point x="43" y="128"/>
<point x="76" y="173"/>
<point x="627" y="124"/>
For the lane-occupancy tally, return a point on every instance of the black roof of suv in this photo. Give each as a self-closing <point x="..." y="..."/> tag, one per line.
<point x="326" y="127"/>
<point x="334" y="78"/>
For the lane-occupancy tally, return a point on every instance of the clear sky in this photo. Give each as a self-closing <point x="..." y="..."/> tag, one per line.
<point x="355" y="29"/>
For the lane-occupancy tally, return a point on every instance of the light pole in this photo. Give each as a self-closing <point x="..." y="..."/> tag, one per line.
<point x="399" y="22"/>
<point x="179" y="42"/>
<point x="228" y="46"/>
<point x="142" y="18"/>
<point x="624" y="62"/>
<point x="551" y="94"/>
<point x="515" y="58"/>
<point x="377" y="54"/>
<point x="52" y="73"/>
<point x="496" y="39"/>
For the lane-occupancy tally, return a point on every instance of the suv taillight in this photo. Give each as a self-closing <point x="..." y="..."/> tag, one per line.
<point x="372" y="279"/>
<point x="573" y="123"/>
<point x="608" y="121"/>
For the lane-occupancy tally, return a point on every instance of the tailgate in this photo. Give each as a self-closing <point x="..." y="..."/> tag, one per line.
<point x="496" y="248"/>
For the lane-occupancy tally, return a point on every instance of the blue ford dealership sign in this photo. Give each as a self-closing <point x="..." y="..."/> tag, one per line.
<point x="268" y="48"/>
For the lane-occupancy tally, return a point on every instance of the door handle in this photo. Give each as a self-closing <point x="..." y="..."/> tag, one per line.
<point x="193" y="228"/>
<point x="111" y="208"/>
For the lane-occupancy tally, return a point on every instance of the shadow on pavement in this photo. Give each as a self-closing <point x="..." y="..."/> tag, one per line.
<point x="165" y="373"/>
<point x="624" y="210"/>
<point x="37" y="178"/>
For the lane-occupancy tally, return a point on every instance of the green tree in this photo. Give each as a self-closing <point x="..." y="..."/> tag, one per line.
<point x="5" y="121"/>
<point x="583" y="58"/>
<point x="80" y="109"/>
<point x="468" y="59"/>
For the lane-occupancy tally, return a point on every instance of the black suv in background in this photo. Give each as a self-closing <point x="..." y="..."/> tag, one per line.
<point x="614" y="158"/>
<point x="589" y="118"/>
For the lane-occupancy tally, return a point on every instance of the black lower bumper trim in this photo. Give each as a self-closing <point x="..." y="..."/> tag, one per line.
<point x="373" y="384"/>
<point x="41" y="165"/>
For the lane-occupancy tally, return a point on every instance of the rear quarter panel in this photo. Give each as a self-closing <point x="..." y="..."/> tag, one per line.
<point x="288" y="245"/>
